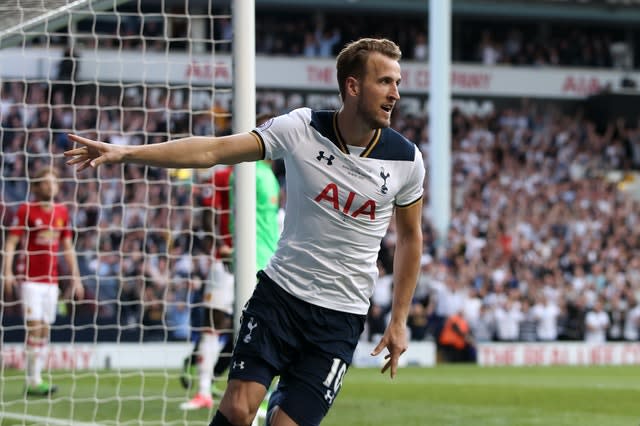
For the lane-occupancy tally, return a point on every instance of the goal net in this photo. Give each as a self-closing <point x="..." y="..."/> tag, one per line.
<point x="128" y="72"/>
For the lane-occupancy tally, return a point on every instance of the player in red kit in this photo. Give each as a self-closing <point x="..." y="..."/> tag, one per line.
<point x="41" y="228"/>
<point x="217" y="297"/>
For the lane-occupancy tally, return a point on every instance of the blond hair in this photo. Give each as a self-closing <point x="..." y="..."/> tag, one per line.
<point x="39" y="175"/>
<point x="352" y="60"/>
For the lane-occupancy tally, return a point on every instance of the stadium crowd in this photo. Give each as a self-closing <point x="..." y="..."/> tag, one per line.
<point x="539" y="240"/>
<point x="500" y="43"/>
<point x="518" y="43"/>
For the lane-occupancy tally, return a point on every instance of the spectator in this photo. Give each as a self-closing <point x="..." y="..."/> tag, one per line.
<point x="616" y="309"/>
<point x="546" y="314"/>
<point x="456" y="341"/>
<point x="380" y="303"/>
<point x="596" y="324"/>
<point x="310" y="48"/>
<point x="632" y="321"/>
<point x="446" y="299"/>
<point x="527" y="331"/>
<point x="178" y="316"/>
<point x="327" y="41"/>
<point x="483" y="328"/>
<point x="508" y="318"/>
<point x="421" y="47"/>
<point x="576" y="310"/>
<point x="105" y="287"/>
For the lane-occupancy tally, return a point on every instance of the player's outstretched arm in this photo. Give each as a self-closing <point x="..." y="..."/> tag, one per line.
<point x="189" y="152"/>
<point x="405" y="278"/>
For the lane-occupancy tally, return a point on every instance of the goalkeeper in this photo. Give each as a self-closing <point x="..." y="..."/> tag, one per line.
<point x="218" y="293"/>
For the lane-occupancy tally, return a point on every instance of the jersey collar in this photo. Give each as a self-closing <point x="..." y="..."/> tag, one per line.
<point x="326" y="122"/>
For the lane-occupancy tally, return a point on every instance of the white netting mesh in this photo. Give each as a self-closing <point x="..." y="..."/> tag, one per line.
<point x="127" y="72"/>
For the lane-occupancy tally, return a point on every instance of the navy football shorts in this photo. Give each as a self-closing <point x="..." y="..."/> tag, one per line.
<point x="309" y="346"/>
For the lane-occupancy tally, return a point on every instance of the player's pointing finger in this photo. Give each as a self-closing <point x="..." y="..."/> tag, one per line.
<point x="81" y="140"/>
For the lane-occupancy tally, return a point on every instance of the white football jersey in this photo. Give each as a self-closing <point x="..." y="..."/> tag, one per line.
<point x="339" y="205"/>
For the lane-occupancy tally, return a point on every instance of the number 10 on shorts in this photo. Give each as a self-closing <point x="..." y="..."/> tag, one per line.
<point x="334" y="378"/>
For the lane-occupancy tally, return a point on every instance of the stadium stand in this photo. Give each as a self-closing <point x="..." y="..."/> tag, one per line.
<point x="575" y="242"/>
<point x="536" y="33"/>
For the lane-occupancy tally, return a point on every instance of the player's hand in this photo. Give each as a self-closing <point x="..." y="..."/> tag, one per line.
<point x="77" y="291"/>
<point x="395" y="340"/>
<point x="225" y="252"/>
<point x="93" y="153"/>
<point x="9" y="284"/>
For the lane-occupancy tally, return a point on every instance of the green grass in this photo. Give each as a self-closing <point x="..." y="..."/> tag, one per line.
<point x="471" y="395"/>
<point x="445" y="395"/>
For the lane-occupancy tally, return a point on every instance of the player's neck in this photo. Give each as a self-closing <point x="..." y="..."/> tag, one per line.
<point x="352" y="130"/>
<point x="45" y="204"/>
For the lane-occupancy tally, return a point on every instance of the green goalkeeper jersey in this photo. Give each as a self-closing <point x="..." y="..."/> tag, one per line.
<point x="267" y="206"/>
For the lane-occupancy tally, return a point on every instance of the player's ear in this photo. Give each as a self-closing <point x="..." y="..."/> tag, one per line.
<point x="352" y="86"/>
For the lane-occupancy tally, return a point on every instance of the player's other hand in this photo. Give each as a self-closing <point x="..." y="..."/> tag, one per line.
<point x="225" y="252"/>
<point x="93" y="153"/>
<point x="395" y="340"/>
<point x="77" y="291"/>
<point x="9" y="284"/>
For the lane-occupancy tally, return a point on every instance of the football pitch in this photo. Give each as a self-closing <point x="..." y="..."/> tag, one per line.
<point x="444" y="395"/>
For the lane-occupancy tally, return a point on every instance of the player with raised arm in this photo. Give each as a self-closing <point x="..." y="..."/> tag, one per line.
<point x="42" y="227"/>
<point x="348" y="175"/>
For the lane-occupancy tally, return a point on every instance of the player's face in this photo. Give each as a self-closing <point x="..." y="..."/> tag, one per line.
<point x="379" y="90"/>
<point x="47" y="187"/>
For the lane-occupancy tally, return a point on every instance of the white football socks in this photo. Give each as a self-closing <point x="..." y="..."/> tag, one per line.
<point x="209" y="352"/>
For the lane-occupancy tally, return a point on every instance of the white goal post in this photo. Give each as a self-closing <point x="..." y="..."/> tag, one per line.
<point x="126" y="72"/>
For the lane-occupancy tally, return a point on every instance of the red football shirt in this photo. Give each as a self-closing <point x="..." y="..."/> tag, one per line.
<point x="221" y="179"/>
<point x="41" y="230"/>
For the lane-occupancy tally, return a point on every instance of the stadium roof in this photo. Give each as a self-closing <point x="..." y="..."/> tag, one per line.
<point x="20" y="19"/>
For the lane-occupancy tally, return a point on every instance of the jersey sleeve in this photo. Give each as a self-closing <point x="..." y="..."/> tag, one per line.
<point x="66" y="231"/>
<point x="280" y="134"/>
<point x="413" y="189"/>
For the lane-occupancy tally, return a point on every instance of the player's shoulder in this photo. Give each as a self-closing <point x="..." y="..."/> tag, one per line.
<point x="302" y="114"/>
<point x="393" y="146"/>
<point x="61" y="208"/>
<point x="323" y="121"/>
<point x="291" y="120"/>
<point x="29" y="208"/>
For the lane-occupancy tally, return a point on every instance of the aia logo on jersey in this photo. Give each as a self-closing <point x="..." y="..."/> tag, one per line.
<point x="329" y="159"/>
<point x="384" y="177"/>
<point x="352" y="206"/>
